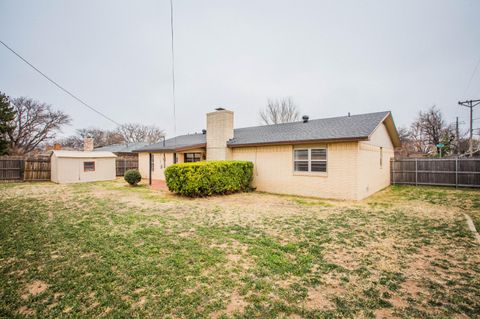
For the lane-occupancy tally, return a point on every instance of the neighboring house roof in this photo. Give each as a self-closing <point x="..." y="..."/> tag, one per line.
<point x="121" y="148"/>
<point x="178" y="143"/>
<point x="344" y="128"/>
<point x="80" y="154"/>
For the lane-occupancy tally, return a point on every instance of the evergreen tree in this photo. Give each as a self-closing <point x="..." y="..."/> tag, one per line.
<point x="7" y="115"/>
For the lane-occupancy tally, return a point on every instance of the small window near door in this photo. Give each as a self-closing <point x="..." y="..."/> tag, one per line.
<point x="192" y="157"/>
<point x="89" y="166"/>
<point x="381" y="157"/>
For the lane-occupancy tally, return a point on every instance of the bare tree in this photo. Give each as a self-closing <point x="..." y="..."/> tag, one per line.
<point x="35" y="123"/>
<point x="134" y="133"/>
<point x="280" y="111"/>
<point x="100" y="137"/>
<point x="429" y="130"/>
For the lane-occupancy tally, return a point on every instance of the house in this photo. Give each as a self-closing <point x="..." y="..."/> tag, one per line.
<point x="344" y="157"/>
<point x="78" y="166"/>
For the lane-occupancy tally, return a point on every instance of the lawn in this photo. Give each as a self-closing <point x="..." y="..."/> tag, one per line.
<point x="109" y="250"/>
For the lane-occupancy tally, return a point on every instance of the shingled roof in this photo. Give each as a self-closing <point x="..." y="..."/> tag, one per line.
<point x="354" y="127"/>
<point x="343" y="128"/>
<point x="178" y="143"/>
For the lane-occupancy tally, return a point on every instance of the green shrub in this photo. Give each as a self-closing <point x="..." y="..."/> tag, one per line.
<point x="132" y="176"/>
<point x="207" y="178"/>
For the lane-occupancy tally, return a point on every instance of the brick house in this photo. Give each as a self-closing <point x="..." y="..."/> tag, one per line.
<point x="344" y="157"/>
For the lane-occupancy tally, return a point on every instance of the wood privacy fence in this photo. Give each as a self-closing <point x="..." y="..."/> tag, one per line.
<point x="14" y="168"/>
<point x="442" y="172"/>
<point x="124" y="165"/>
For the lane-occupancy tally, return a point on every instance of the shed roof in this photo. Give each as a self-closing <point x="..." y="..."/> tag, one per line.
<point x="80" y="154"/>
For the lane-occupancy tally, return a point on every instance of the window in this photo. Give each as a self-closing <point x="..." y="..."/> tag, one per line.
<point x="89" y="166"/>
<point x="192" y="157"/>
<point x="310" y="160"/>
<point x="381" y="157"/>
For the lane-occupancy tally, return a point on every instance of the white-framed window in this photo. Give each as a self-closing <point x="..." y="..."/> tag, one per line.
<point x="310" y="159"/>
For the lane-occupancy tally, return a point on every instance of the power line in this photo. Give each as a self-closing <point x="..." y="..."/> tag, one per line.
<point x="58" y="85"/>
<point x="173" y="78"/>
<point x="471" y="77"/>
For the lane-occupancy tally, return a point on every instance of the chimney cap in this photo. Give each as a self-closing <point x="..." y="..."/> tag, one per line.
<point x="219" y="109"/>
<point x="305" y="118"/>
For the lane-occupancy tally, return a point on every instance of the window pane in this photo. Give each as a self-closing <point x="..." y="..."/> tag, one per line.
<point x="319" y="166"/>
<point x="301" y="155"/>
<point x="88" y="166"/>
<point x="301" y="166"/>
<point x="319" y="154"/>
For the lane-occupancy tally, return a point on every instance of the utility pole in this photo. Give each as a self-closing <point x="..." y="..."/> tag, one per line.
<point x="457" y="137"/>
<point x="471" y="104"/>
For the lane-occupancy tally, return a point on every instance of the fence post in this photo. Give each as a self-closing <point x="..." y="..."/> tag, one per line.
<point x="456" y="172"/>
<point x="416" y="172"/>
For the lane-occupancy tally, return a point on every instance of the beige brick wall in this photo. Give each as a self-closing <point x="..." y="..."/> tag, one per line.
<point x="274" y="173"/>
<point x="372" y="176"/>
<point x="219" y="131"/>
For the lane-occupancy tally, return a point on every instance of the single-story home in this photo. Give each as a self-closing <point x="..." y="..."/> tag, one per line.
<point x="78" y="166"/>
<point x="345" y="157"/>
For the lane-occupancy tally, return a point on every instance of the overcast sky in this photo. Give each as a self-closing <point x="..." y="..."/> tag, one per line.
<point x="331" y="57"/>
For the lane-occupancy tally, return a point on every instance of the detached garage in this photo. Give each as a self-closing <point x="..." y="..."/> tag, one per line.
<point x="76" y="167"/>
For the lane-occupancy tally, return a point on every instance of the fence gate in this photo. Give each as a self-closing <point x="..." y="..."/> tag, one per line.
<point x="442" y="172"/>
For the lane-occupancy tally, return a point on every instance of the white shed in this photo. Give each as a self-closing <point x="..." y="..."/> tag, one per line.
<point x="75" y="166"/>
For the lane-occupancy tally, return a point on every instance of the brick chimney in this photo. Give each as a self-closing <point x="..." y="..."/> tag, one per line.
<point x="88" y="144"/>
<point x="57" y="146"/>
<point x="219" y="131"/>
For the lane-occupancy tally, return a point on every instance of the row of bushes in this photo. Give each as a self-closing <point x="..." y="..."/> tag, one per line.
<point x="208" y="178"/>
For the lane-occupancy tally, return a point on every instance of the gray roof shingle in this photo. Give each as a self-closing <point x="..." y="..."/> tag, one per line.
<point x="335" y="128"/>
<point x="176" y="143"/>
<point x="120" y="148"/>
<point x="354" y="127"/>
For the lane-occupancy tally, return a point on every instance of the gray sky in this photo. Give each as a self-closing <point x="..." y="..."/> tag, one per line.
<point x="331" y="57"/>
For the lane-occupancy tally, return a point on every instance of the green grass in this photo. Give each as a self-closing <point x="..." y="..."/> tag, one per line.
<point x="109" y="250"/>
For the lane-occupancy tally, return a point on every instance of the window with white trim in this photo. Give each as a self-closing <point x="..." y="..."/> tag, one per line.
<point x="310" y="160"/>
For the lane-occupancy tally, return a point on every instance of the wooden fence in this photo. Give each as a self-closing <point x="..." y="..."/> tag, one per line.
<point x="124" y="165"/>
<point x="442" y="172"/>
<point x="14" y="168"/>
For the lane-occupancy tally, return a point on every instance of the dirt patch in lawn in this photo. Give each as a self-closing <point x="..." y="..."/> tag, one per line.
<point x="34" y="288"/>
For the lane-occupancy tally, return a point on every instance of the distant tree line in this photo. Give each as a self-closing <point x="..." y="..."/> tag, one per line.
<point x="27" y="126"/>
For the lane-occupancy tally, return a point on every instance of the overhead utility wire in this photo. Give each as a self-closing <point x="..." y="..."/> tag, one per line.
<point x="471" y="77"/>
<point x="59" y="86"/>
<point x="173" y="78"/>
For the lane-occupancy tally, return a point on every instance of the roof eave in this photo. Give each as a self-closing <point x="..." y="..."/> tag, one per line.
<point x="296" y="142"/>
<point x="170" y="150"/>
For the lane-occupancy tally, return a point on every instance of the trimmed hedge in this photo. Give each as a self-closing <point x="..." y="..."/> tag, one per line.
<point x="208" y="178"/>
<point x="132" y="176"/>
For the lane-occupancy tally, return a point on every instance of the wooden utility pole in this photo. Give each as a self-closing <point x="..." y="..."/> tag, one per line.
<point x="457" y="137"/>
<point x="471" y="104"/>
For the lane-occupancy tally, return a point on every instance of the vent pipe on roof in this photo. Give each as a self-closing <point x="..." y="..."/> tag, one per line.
<point x="204" y="131"/>
<point x="348" y="114"/>
<point x="305" y="118"/>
